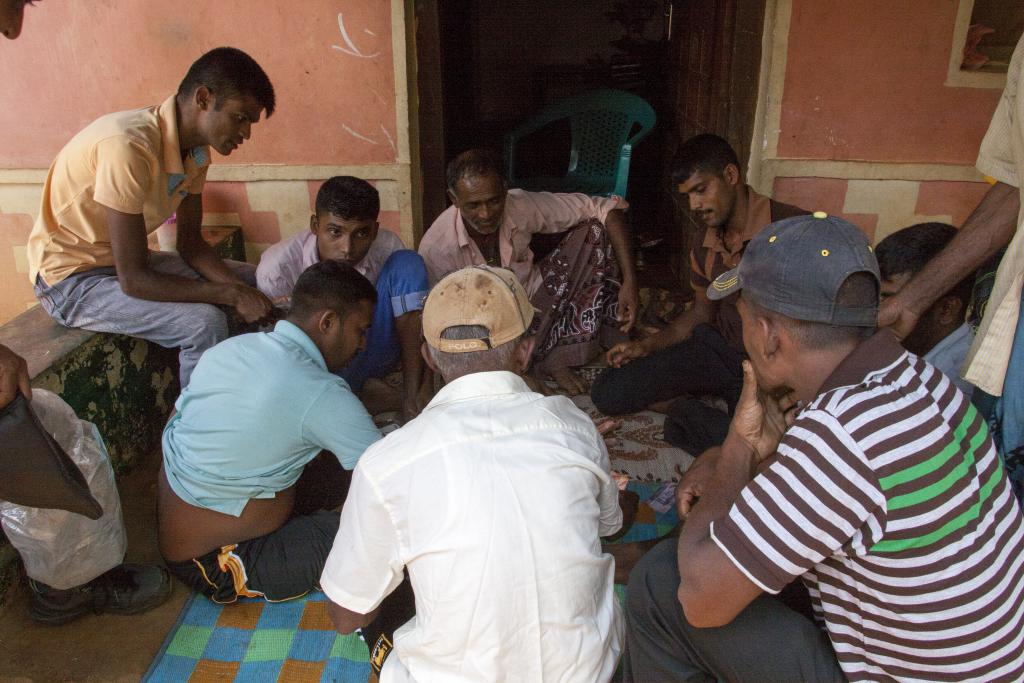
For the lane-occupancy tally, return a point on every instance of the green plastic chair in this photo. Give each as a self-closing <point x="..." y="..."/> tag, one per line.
<point x="605" y="125"/>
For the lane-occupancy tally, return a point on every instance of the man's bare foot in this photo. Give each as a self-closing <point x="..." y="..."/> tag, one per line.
<point x="568" y="380"/>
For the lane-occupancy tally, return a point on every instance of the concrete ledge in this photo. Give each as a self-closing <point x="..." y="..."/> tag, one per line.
<point x="126" y="386"/>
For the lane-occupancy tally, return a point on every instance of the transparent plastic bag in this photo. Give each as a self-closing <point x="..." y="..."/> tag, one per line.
<point x="59" y="548"/>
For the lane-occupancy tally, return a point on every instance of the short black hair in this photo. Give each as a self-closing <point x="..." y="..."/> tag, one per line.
<point x="474" y="163"/>
<point x="859" y="290"/>
<point x="330" y="285"/>
<point x="910" y="249"/>
<point x="351" y="198"/>
<point x="228" y="72"/>
<point x="706" y="152"/>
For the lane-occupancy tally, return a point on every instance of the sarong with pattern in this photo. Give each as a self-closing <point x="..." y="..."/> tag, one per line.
<point x="578" y="299"/>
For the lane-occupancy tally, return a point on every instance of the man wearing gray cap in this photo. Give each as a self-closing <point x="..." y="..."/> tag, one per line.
<point x="851" y="464"/>
<point x="494" y="499"/>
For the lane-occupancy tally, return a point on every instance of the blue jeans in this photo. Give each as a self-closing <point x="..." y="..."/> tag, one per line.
<point x="93" y="300"/>
<point x="1005" y="414"/>
<point x="401" y="287"/>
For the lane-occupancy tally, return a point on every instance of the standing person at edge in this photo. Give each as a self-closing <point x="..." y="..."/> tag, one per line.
<point x="576" y="287"/>
<point x="117" y="181"/>
<point x="851" y="464"/>
<point x="701" y="350"/>
<point x="995" y="361"/>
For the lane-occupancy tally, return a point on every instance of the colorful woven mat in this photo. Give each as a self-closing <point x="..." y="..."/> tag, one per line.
<point x="294" y="641"/>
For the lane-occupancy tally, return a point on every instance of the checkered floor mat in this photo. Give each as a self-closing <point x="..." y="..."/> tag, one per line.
<point x="294" y="641"/>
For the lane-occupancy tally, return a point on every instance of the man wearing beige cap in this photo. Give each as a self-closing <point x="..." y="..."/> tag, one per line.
<point x="494" y="499"/>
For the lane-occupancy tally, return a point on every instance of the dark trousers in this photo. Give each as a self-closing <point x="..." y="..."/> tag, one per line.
<point x="704" y="363"/>
<point x="287" y="562"/>
<point x="766" y="642"/>
<point x="282" y="565"/>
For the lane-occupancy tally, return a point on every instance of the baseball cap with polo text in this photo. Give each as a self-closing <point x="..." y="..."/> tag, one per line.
<point x="796" y="266"/>
<point x="479" y="295"/>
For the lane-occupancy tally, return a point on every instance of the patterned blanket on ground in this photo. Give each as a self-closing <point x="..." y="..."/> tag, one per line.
<point x="294" y="641"/>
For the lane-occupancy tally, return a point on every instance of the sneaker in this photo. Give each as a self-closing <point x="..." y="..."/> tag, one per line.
<point x="125" y="589"/>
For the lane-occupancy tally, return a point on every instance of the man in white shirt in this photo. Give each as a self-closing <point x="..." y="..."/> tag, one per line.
<point x="494" y="499"/>
<point x="941" y="336"/>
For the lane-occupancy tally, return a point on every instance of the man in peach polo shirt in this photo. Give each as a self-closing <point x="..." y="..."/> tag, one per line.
<point x="118" y="180"/>
<point x="584" y="289"/>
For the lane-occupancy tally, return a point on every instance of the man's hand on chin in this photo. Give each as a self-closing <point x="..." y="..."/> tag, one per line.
<point x="761" y="419"/>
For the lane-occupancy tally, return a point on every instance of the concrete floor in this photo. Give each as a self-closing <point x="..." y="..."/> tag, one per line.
<point x="95" y="647"/>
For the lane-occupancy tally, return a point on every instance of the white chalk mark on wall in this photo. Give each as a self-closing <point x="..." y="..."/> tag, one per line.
<point x="368" y="31"/>
<point x="391" y="141"/>
<point x="360" y="136"/>
<point x="350" y="47"/>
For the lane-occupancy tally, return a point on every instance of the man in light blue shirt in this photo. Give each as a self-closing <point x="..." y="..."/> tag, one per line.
<point x="258" y="409"/>
<point x="941" y="336"/>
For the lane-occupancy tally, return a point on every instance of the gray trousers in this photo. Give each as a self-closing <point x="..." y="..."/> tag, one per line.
<point x="93" y="300"/>
<point x="766" y="642"/>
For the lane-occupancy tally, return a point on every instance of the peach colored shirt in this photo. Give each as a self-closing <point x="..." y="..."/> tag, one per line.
<point x="447" y="246"/>
<point x="129" y="161"/>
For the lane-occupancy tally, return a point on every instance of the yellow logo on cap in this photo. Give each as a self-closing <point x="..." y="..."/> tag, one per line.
<point x="772" y="238"/>
<point x="820" y="214"/>
<point x="724" y="284"/>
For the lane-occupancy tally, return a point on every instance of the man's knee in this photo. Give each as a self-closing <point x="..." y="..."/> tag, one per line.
<point x="405" y="261"/>
<point x="610" y="392"/>
<point x="208" y="326"/>
<point x="654" y="582"/>
<point x="403" y="270"/>
<point x="246" y="272"/>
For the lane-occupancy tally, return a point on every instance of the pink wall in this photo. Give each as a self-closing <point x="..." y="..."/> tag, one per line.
<point x="78" y="60"/>
<point x="864" y="80"/>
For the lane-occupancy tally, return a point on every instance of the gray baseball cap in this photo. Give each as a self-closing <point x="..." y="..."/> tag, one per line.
<point x="795" y="267"/>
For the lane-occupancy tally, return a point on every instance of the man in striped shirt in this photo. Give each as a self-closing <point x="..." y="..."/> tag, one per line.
<point x="851" y="464"/>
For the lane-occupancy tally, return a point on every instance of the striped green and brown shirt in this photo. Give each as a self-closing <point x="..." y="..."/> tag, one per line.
<point x="888" y="497"/>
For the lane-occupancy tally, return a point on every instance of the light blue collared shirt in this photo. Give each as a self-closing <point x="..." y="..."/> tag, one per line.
<point x="258" y="408"/>
<point x="948" y="356"/>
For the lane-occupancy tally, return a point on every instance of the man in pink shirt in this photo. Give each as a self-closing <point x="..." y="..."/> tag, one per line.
<point x="345" y="228"/>
<point x="584" y="289"/>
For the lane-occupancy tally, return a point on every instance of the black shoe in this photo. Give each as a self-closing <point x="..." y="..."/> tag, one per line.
<point x="125" y="589"/>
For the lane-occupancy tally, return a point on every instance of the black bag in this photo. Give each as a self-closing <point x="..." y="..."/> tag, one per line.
<point x="34" y="469"/>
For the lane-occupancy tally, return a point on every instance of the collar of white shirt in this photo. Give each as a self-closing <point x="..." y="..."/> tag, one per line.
<point x="479" y="385"/>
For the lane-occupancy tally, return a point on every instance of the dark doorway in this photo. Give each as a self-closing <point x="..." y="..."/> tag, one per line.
<point x="496" y="63"/>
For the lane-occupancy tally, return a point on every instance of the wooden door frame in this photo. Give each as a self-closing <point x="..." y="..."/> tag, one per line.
<point x="426" y="113"/>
